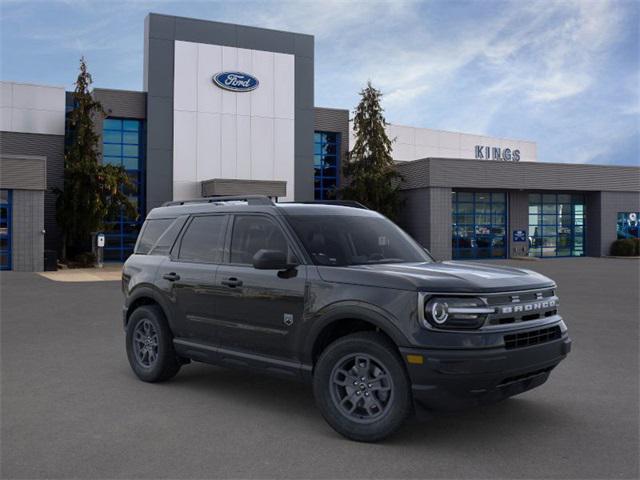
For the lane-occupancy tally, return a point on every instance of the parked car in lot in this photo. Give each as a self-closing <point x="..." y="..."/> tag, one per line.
<point x="338" y="296"/>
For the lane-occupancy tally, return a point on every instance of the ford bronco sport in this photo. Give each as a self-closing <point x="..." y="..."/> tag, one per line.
<point x="338" y="296"/>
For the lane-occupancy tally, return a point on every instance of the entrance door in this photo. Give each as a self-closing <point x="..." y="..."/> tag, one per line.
<point x="5" y="229"/>
<point x="556" y="225"/>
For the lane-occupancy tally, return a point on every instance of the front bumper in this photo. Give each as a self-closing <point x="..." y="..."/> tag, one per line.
<point x="452" y="379"/>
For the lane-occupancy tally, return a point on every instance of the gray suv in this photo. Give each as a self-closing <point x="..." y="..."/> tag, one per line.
<point x="340" y="297"/>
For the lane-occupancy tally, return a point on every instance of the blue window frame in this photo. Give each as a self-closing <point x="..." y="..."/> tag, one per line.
<point x="5" y="229"/>
<point x="479" y="222"/>
<point x="326" y="164"/>
<point x="123" y="145"/>
<point x="556" y="225"/>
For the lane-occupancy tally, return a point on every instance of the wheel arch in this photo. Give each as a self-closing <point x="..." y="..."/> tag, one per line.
<point x="144" y="295"/>
<point x="344" y="319"/>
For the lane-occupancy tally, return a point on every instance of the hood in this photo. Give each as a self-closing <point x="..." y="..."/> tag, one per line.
<point x="463" y="277"/>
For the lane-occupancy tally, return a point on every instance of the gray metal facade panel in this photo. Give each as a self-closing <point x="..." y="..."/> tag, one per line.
<point x="27" y="240"/>
<point x="331" y="119"/>
<point x="23" y="172"/>
<point x="229" y="186"/>
<point x="159" y="68"/>
<point x="593" y="224"/>
<point x="611" y="203"/>
<point x="303" y="161"/>
<point x="203" y="31"/>
<point x="161" y="32"/>
<point x="414" y="174"/>
<point x="518" y="219"/>
<point x="304" y="45"/>
<point x="51" y="147"/>
<point x="413" y="216"/>
<point x="460" y="173"/>
<point x="426" y="216"/>
<point x="334" y="120"/>
<point x="440" y="223"/>
<point x="122" y="103"/>
<point x="263" y="39"/>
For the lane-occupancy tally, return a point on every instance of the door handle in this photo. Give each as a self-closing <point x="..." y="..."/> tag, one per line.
<point x="172" y="277"/>
<point x="232" y="282"/>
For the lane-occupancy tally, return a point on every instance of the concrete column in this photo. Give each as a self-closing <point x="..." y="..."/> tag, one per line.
<point x="518" y="220"/>
<point x="426" y="216"/>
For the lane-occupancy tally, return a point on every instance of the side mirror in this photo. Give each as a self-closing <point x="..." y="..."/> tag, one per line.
<point x="270" y="260"/>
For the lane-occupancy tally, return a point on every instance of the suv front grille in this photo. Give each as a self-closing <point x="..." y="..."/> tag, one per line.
<point x="533" y="337"/>
<point x="522" y="306"/>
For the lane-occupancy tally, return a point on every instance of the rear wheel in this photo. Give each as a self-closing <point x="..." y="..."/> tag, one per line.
<point x="150" y="345"/>
<point x="361" y="387"/>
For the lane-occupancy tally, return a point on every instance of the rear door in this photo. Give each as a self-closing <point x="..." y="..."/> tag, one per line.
<point x="258" y="311"/>
<point x="190" y="276"/>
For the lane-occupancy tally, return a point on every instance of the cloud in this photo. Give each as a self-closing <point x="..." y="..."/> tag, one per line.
<point x="562" y="73"/>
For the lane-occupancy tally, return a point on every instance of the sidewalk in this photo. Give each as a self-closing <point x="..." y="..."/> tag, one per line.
<point x="110" y="273"/>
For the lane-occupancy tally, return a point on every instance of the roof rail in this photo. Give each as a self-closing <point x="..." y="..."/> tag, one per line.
<point x="341" y="203"/>
<point x="250" y="199"/>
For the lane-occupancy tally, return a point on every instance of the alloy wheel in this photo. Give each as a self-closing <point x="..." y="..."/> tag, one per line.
<point x="361" y="388"/>
<point x="145" y="343"/>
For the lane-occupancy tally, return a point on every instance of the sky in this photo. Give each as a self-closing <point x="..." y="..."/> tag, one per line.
<point x="565" y="74"/>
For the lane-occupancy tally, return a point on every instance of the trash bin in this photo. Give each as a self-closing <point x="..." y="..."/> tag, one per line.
<point x="50" y="260"/>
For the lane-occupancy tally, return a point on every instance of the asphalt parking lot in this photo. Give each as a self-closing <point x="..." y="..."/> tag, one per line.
<point x="71" y="407"/>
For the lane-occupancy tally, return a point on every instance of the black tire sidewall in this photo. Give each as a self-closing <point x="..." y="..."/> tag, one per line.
<point x="378" y="347"/>
<point x="167" y="363"/>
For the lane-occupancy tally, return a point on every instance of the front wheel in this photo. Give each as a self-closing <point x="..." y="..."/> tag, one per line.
<point x="361" y="387"/>
<point x="150" y="345"/>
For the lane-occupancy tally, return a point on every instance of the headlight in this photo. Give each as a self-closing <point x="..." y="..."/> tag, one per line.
<point x="455" y="312"/>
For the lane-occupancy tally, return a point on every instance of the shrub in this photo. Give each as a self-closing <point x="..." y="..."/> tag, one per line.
<point x="628" y="247"/>
<point x="84" y="260"/>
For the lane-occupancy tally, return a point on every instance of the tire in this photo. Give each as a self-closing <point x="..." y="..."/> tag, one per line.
<point x="150" y="345"/>
<point x="384" y="400"/>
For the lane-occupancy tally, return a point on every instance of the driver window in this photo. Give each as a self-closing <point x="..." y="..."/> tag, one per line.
<point x="252" y="233"/>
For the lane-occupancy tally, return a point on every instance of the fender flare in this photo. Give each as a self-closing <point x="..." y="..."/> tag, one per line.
<point x="352" y="310"/>
<point x="147" y="291"/>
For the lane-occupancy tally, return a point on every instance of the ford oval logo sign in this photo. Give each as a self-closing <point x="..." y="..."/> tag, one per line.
<point x="236" y="81"/>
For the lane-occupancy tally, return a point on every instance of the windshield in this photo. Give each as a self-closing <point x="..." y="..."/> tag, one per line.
<point x="341" y="240"/>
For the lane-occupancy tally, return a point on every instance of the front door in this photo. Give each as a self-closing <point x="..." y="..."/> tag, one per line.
<point x="258" y="310"/>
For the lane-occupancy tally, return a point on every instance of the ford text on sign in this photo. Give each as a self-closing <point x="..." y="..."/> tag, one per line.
<point x="236" y="81"/>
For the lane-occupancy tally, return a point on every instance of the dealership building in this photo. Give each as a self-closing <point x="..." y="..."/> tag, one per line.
<point x="229" y="110"/>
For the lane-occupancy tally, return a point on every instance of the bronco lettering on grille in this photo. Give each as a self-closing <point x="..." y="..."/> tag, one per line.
<point x="528" y="307"/>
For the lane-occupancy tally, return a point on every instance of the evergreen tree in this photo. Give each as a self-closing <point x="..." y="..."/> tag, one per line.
<point x="92" y="191"/>
<point x="371" y="178"/>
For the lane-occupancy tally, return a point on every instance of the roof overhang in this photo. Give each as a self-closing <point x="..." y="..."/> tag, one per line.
<point x="489" y="174"/>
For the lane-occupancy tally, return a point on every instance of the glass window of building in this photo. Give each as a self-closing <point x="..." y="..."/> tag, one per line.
<point x="627" y="225"/>
<point x="326" y="164"/>
<point x="556" y="225"/>
<point x="479" y="224"/>
<point x="5" y="229"/>
<point x="123" y="145"/>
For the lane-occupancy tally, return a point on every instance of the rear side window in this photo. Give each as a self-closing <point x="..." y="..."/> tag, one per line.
<point x="152" y="231"/>
<point x="204" y="239"/>
<point x="168" y="238"/>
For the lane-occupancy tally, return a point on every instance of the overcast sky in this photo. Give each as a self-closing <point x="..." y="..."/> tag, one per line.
<point x="564" y="74"/>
